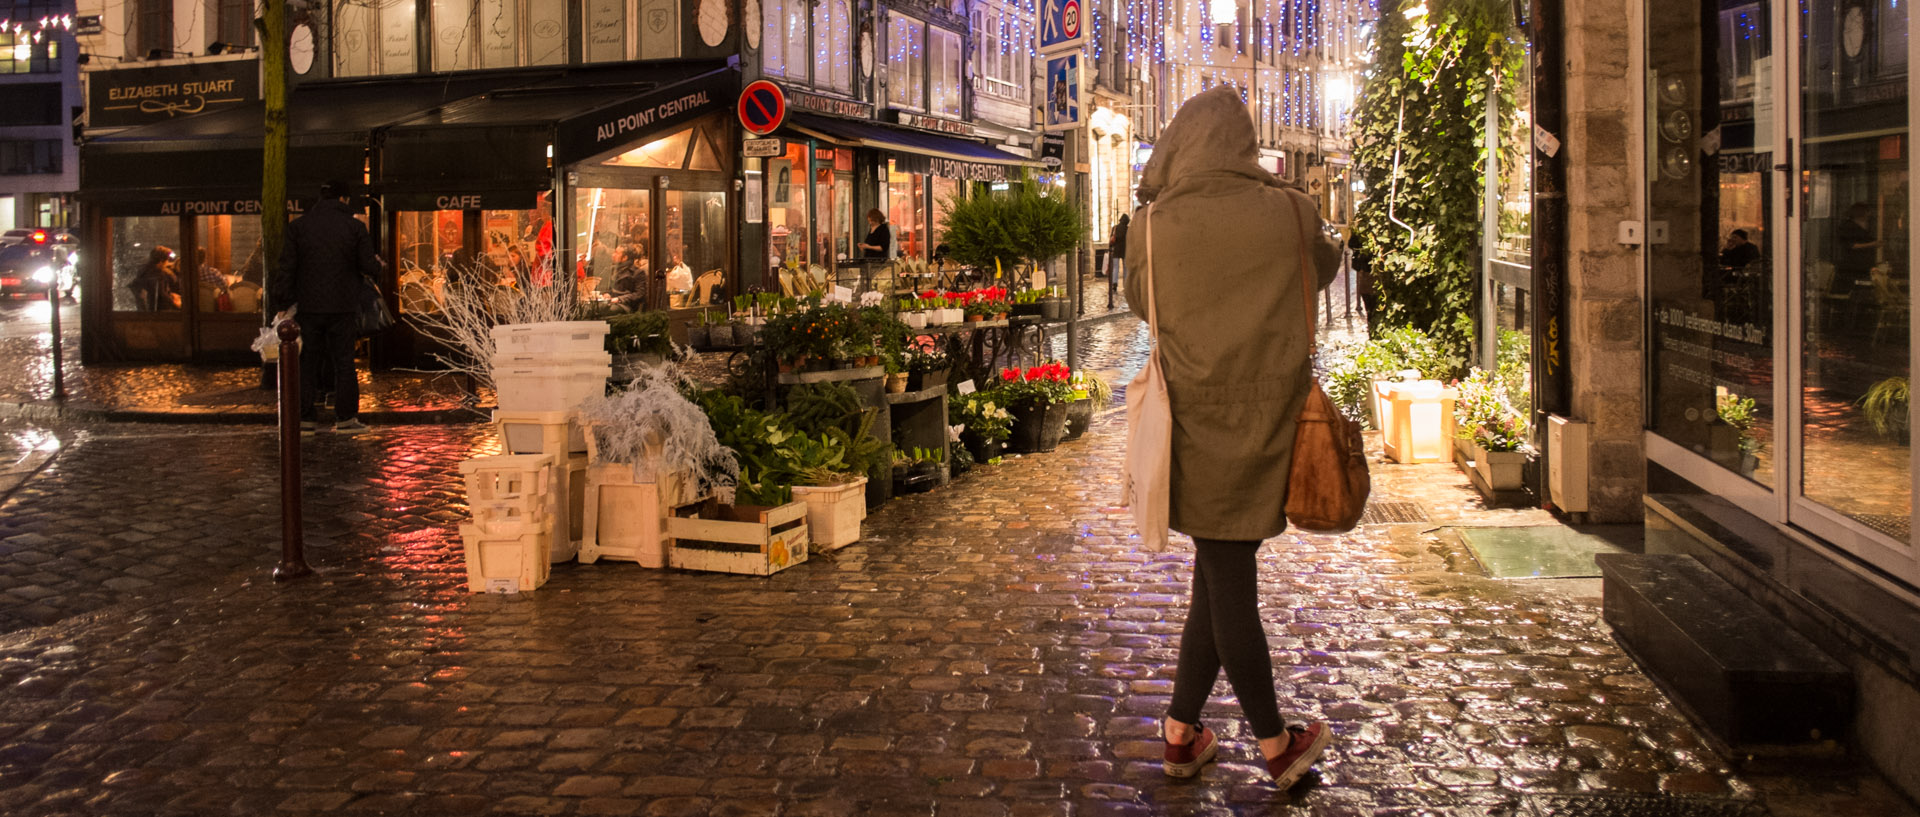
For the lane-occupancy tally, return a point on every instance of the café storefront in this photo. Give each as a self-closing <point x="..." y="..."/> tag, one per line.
<point x="461" y="178"/>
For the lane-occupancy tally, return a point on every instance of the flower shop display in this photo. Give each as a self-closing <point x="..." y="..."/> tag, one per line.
<point x="1496" y="430"/>
<point x="637" y="340"/>
<point x="918" y="469"/>
<point x="1037" y="396"/>
<point x="927" y="366"/>
<point x="1730" y="437"/>
<point x="1080" y="410"/>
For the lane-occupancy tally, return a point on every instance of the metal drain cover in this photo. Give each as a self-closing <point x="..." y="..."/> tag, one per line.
<point x="1636" y="805"/>
<point x="1393" y="511"/>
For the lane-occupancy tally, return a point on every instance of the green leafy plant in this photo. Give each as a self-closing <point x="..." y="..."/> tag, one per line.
<point x="1012" y="226"/>
<point x="835" y="411"/>
<point x="1739" y="413"/>
<point x="981" y="414"/>
<point x="640" y="333"/>
<point x="1886" y="406"/>
<point x="1419" y="143"/>
<point x="1349" y="379"/>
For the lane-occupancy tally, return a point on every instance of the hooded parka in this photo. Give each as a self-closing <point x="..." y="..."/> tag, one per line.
<point x="1234" y="327"/>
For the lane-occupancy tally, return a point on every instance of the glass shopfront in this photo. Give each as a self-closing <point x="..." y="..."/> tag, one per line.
<point x="1779" y="298"/>
<point x="650" y="225"/>
<point x="907" y="209"/>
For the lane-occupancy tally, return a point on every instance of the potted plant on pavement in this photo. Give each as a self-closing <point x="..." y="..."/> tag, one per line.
<point x="1731" y="437"/>
<point x="1037" y="396"/>
<point x="986" y="424"/>
<point x="1089" y="393"/>
<point x="927" y="365"/>
<point x="639" y="340"/>
<point x="1495" y="429"/>
<point x="650" y="435"/>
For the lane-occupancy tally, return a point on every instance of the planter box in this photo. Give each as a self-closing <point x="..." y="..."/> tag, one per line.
<point x="983" y="452"/>
<point x="1500" y="470"/>
<point x="627" y="520"/>
<point x="914" y="320"/>
<point x="509" y="494"/>
<point x="748" y="539"/>
<point x="503" y="561"/>
<point x="1037" y="429"/>
<point x="834" y="512"/>
<point x="1053" y="309"/>
<point x="1079" y="416"/>
<point x="1035" y="309"/>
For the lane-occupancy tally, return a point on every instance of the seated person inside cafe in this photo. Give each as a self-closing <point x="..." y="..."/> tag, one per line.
<point x="157" y="287"/>
<point x="629" y="277"/>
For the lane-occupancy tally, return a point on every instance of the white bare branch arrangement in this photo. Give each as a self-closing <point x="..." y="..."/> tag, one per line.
<point x="653" y="426"/>
<point x="463" y="315"/>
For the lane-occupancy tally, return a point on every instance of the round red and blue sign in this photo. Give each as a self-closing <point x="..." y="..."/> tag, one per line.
<point x="1070" y="19"/>
<point x="762" y="107"/>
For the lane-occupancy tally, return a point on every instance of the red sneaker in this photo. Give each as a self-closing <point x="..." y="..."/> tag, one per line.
<point x="1185" y="759"/>
<point x="1304" y="745"/>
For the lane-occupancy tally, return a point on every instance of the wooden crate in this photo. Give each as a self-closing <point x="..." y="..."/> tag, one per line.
<point x="750" y="539"/>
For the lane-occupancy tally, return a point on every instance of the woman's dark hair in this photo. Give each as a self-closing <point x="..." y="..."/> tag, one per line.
<point x="159" y="254"/>
<point x="875" y="215"/>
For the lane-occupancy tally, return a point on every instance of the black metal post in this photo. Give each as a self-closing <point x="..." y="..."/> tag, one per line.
<point x="59" y="370"/>
<point x="293" y="560"/>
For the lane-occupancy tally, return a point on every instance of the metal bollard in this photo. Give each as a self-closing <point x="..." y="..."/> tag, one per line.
<point x="293" y="560"/>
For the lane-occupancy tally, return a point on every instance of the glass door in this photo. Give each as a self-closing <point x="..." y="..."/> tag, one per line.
<point x="1853" y="476"/>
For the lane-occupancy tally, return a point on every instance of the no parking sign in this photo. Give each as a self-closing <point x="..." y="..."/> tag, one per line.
<point x="762" y="107"/>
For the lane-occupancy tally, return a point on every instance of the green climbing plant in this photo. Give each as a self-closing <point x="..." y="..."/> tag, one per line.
<point x="1420" y="144"/>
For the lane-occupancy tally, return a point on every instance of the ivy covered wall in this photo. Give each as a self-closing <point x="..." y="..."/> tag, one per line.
<point x="1420" y="143"/>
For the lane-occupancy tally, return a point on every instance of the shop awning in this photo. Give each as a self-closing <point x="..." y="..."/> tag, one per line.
<point x="949" y="156"/>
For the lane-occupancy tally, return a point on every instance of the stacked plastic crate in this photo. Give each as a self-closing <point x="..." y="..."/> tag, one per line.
<point x="508" y="542"/>
<point x="542" y="372"/>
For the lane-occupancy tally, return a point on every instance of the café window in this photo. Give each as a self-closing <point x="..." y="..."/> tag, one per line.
<point x="615" y="243"/>
<point x="145" y="253"/>
<point x="651" y="223"/>
<point x="228" y="269"/>
<point x="1001" y="61"/>
<point x="906" y="62"/>
<point x="511" y="245"/>
<point x="374" y="38"/>
<point x="944" y="191"/>
<point x="906" y="210"/>
<point x="429" y="254"/>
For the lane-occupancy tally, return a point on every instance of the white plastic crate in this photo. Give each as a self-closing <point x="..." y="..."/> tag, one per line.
<point x="626" y="520"/>
<point x="547" y="388"/>
<point x="834" y="512"/>
<point x="539" y="432"/>
<point x="551" y="337"/>
<point x="504" y="563"/>
<point x="517" y="480"/>
<point x="567" y="509"/>
<point x="569" y="359"/>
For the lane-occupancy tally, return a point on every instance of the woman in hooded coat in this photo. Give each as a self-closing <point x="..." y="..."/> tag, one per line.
<point x="1227" y="239"/>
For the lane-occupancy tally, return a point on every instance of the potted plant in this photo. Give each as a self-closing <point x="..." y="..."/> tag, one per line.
<point x="986" y="424"/>
<point x="1886" y="405"/>
<point x="896" y="374"/>
<point x="1037" y="396"/>
<point x="1054" y="306"/>
<point x="1027" y="303"/>
<point x="699" y="334"/>
<point x="912" y="313"/>
<point x="1496" y="430"/>
<point x="927" y="366"/>
<point x="1731" y="437"/>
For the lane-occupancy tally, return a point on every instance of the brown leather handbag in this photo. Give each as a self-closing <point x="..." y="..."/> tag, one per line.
<point x="1328" y="484"/>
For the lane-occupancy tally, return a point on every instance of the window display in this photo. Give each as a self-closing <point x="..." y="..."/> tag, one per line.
<point x="146" y="264"/>
<point x="906" y="210"/>
<point x="787" y="188"/>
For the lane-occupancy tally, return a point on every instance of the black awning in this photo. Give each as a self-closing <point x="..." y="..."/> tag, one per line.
<point x="620" y="124"/>
<point x="945" y="155"/>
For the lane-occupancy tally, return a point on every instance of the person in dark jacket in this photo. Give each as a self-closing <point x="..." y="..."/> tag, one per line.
<point x="326" y="255"/>
<point x="1117" y="255"/>
<point x="157" y="286"/>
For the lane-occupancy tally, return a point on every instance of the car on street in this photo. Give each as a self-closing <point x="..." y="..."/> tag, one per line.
<point x="30" y="267"/>
<point x="15" y="236"/>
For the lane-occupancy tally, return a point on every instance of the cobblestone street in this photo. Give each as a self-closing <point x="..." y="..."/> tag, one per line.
<point x="997" y="647"/>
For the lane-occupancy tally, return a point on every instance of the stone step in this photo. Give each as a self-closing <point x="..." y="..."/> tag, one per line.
<point x="1748" y="678"/>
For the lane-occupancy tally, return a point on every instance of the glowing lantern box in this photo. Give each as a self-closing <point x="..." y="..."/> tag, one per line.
<point x="1419" y="421"/>
<point x="750" y="539"/>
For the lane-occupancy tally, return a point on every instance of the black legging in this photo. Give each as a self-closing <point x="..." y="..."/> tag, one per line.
<point x="1223" y="629"/>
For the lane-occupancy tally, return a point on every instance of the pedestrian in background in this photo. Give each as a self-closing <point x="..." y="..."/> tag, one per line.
<point x="326" y="255"/>
<point x="1362" y="263"/>
<point x="1116" y="256"/>
<point x="1227" y="239"/>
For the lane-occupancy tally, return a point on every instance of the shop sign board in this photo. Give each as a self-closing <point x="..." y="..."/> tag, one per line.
<point x="124" y="97"/>
<point x="1063" y="25"/>
<point x="935" y="124"/>
<point x="87" y="25"/>
<point x="614" y="126"/>
<point x="763" y="148"/>
<point x="1064" y="110"/>
<point x="464" y="200"/>
<point x="831" y="105"/>
<point x="217" y="206"/>
<point x="762" y="107"/>
<point x="1053" y="149"/>
<point x="968" y="171"/>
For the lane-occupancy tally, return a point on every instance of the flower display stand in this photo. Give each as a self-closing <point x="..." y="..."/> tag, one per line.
<point x="626" y="519"/>
<point x="834" y="512"/>
<point x="508" y="546"/>
<point x="747" y="539"/>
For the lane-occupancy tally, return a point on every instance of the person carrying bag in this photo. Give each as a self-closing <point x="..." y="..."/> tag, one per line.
<point x="1217" y="268"/>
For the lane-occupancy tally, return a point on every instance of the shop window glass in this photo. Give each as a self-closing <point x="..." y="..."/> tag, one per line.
<point x="693" y="238"/>
<point x="499" y="33"/>
<point x="454" y="27"/>
<point x="510" y="244"/>
<point x="832" y="46"/>
<point x="1854" y="207"/>
<point x="430" y="254"/>
<point x="546" y="32"/>
<point x="943" y="67"/>
<point x="773" y="34"/>
<point x="944" y="192"/>
<point x="794" y="37"/>
<point x="906" y="62"/>
<point x="906" y="210"/>
<point x="826" y="207"/>
<point x="668" y="151"/>
<point x="613" y="240"/>
<point x="229" y="265"/>
<point x="146" y="264"/>
<point x="606" y="30"/>
<point x="787" y="205"/>
<point x="396" y="37"/>
<point x="353" y="40"/>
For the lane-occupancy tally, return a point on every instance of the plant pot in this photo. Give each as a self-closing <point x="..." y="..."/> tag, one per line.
<point x="915" y="320"/>
<point x="1037" y="429"/>
<point x="921" y="381"/>
<point x="897" y="383"/>
<point x="1500" y="470"/>
<point x="1036" y="309"/>
<point x="976" y="318"/>
<point x="983" y="452"/>
<point x="954" y="315"/>
<point x="1053" y="309"/>
<point x="870" y="360"/>
<point x="1079" y="416"/>
<point x="699" y="337"/>
<point x="720" y="334"/>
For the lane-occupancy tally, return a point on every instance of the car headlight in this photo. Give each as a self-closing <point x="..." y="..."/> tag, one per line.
<point x="43" y="275"/>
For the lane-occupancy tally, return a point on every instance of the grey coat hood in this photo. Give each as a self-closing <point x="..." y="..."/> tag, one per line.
<point x="1229" y="246"/>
